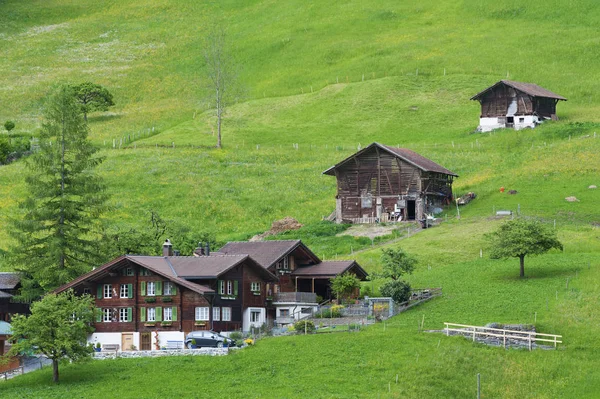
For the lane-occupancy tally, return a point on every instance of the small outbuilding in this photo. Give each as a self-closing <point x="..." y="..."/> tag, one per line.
<point x="517" y="105"/>
<point x="389" y="184"/>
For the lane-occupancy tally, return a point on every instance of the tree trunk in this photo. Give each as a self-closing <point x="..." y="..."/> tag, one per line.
<point x="55" y="370"/>
<point x="219" y="131"/>
<point x="85" y="116"/>
<point x="522" y="261"/>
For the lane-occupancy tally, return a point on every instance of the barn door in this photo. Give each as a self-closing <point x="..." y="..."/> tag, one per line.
<point x="145" y="341"/>
<point x="410" y="209"/>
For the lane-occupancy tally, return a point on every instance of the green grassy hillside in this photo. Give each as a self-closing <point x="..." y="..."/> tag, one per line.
<point x="332" y="78"/>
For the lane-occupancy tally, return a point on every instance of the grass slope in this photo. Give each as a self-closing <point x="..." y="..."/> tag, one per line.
<point x="362" y="365"/>
<point x="331" y="78"/>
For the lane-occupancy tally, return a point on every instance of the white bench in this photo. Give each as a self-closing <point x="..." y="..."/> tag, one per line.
<point x="174" y="345"/>
<point x="111" y="347"/>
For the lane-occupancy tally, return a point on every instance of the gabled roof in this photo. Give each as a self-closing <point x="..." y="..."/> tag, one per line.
<point x="405" y="154"/>
<point x="330" y="269"/>
<point x="198" y="267"/>
<point x="267" y="253"/>
<point x="177" y="269"/>
<point x="9" y="280"/>
<point x="4" y="295"/>
<point x="105" y="269"/>
<point x="527" y="88"/>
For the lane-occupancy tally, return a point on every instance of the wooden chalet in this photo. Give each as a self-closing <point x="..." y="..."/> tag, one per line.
<point x="10" y="284"/>
<point x="303" y="277"/>
<point x="146" y="301"/>
<point x="510" y="104"/>
<point x="387" y="184"/>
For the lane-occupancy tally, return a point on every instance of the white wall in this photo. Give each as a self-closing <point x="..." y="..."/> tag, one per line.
<point x="528" y="121"/>
<point x="489" y="124"/>
<point x="246" y="324"/>
<point x="116" y="338"/>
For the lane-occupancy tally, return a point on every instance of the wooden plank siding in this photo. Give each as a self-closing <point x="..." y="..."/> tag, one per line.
<point x="495" y="103"/>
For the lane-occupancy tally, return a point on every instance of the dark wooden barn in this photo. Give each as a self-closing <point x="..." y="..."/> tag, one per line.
<point x="385" y="184"/>
<point x="510" y="104"/>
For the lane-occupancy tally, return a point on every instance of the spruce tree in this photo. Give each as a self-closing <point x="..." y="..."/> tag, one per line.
<point x="55" y="236"/>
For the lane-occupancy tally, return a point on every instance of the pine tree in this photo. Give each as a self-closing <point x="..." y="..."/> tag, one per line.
<point x="55" y="236"/>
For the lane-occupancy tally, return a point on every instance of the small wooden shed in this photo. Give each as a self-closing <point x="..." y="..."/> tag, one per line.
<point x="386" y="184"/>
<point x="517" y="105"/>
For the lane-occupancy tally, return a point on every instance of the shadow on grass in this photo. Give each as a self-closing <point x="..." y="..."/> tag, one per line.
<point x="540" y="272"/>
<point x="104" y="118"/>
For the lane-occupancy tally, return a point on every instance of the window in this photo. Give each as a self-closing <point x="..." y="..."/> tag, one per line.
<point x="125" y="290"/>
<point x="255" y="287"/>
<point x="255" y="316"/>
<point x="129" y="271"/>
<point x="202" y="314"/>
<point x="124" y="315"/>
<point x="151" y="288"/>
<point x="87" y="291"/>
<point x="284" y="312"/>
<point x="283" y="264"/>
<point x="145" y="272"/>
<point x="169" y="288"/>
<point x="168" y="314"/>
<point x="222" y="287"/>
<point x="226" y="313"/>
<point x="216" y="314"/>
<point x="106" y="315"/>
<point x="229" y="287"/>
<point x="107" y="291"/>
<point x="151" y="314"/>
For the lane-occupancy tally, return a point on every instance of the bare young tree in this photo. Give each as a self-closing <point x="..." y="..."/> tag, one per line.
<point x="222" y="74"/>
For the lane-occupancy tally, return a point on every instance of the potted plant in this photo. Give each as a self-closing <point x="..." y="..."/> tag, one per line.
<point x="225" y="343"/>
<point x="98" y="347"/>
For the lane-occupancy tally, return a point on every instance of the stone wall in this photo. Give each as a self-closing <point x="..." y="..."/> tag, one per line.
<point x="175" y="352"/>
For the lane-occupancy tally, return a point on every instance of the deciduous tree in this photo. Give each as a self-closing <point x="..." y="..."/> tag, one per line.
<point x="92" y="97"/>
<point x="9" y="125"/>
<point x="344" y="284"/>
<point x="56" y="233"/>
<point x="58" y="328"/>
<point x="222" y="75"/>
<point x="396" y="263"/>
<point x="521" y="237"/>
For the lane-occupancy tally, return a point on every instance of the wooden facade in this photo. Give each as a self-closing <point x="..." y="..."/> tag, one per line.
<point x="144" y="301"/>
<point x="383" y="184"/>
<point x="516" y="105"/>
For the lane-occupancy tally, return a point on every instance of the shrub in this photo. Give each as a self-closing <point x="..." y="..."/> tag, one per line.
<point x="9" y="125"/>
<point x="304" y="325"/>
<point x="334" y="311"/>
<point x="398" y="290"/>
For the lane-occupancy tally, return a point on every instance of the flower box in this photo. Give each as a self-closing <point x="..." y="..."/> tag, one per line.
<point x="167" y="299"/>
<point x="149" y="300"/>
<point x="166" y="324"/>
<point x="256" y="292"/>
<point x="200" y="323"/>
<point x="150" y="324"/>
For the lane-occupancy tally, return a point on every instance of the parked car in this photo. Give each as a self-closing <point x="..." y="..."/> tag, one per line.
<point x="199" y="339"/>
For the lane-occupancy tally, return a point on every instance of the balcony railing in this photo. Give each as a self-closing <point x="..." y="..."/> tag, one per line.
<point x="296" y="297"/>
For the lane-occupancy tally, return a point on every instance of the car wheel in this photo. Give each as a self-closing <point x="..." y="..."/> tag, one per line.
<point x="219" y="344"/>
<point x="190" y="345"/>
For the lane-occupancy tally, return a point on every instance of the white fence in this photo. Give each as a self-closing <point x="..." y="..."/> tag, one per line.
<point x="529" y="337"/>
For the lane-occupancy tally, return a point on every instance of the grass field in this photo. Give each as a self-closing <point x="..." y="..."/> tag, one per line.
<point x="323" y="80"/>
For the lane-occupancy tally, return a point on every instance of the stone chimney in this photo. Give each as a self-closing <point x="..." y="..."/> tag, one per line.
<point x="167" y="248"/>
